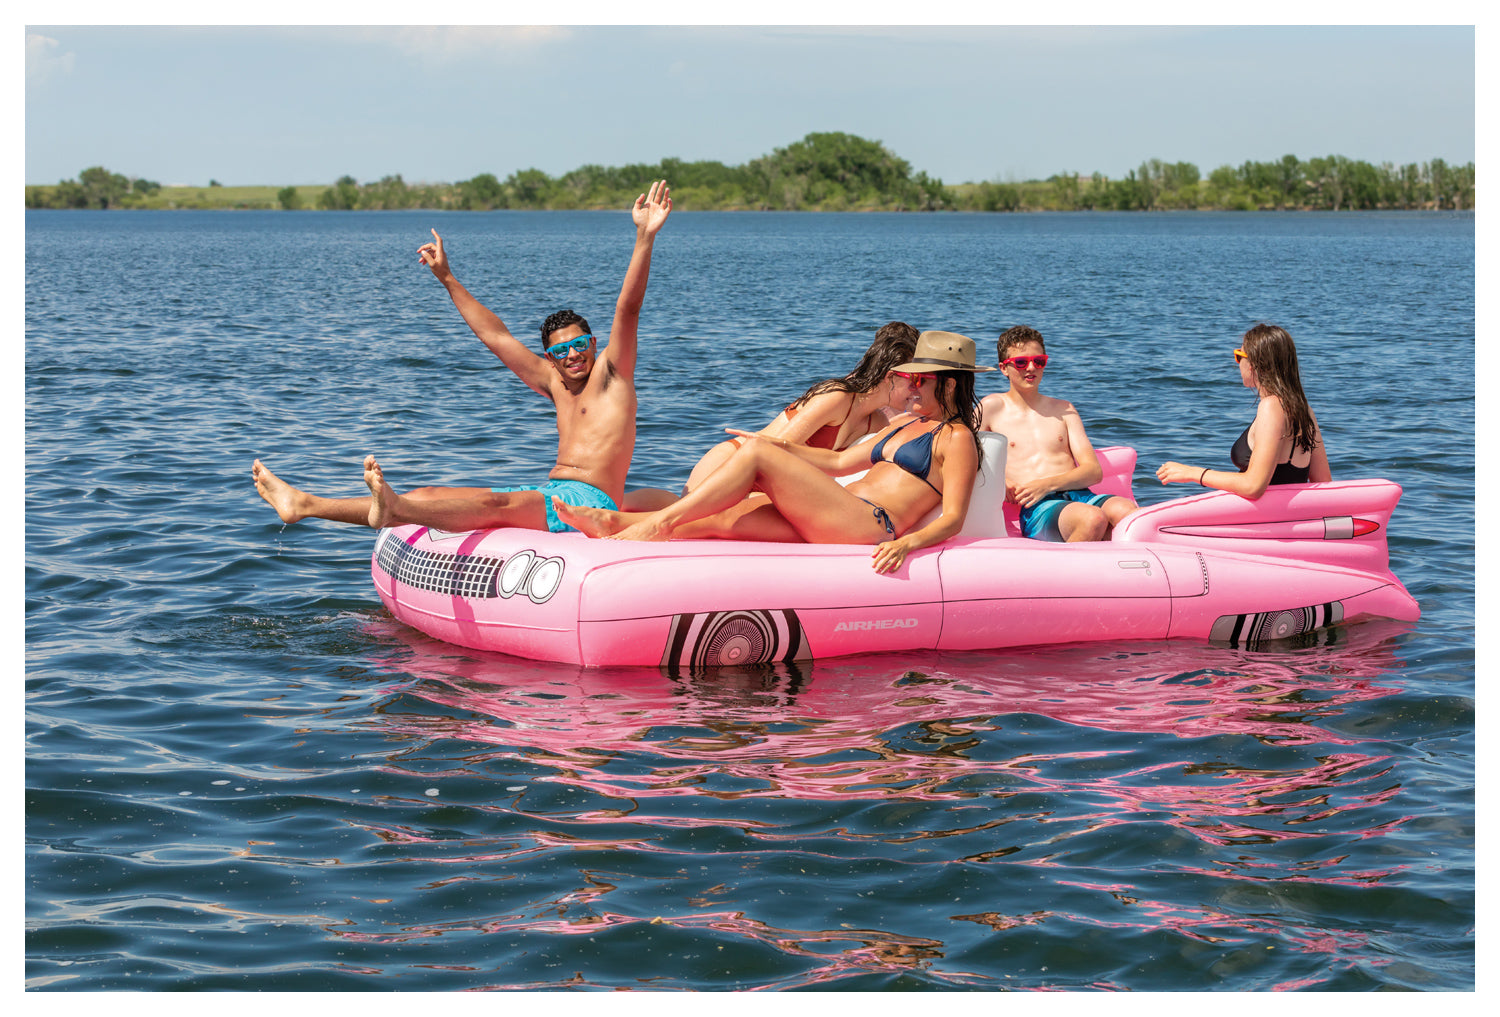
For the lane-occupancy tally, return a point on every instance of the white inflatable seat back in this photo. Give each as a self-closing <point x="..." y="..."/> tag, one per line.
<point x="986" y="515"/>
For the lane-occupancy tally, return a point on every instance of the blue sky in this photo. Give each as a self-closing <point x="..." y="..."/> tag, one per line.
<point x="304" y="105"/>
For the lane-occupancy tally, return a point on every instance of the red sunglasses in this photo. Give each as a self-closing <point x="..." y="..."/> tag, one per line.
<point x="1024" y="363"/>
<point x="1240" y="355"/>
<point x="913" y="377"/>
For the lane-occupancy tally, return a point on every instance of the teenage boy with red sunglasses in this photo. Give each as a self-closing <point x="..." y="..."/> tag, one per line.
<point x="594" y="395"/>
<point x="1050" y="462"/>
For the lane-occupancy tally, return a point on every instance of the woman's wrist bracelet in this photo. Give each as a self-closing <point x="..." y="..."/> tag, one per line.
<point x="1201" y="476"/>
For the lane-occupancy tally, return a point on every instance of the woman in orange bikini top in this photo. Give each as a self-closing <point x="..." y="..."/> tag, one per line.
<point x="833" y="413"/>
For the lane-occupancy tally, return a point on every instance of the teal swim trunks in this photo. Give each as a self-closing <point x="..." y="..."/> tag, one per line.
<point x="1039" y="522"/>
<point x="572" y="492"/>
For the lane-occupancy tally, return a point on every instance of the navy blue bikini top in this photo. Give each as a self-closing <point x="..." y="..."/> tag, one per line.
<point x="915" y="457"/>
<point x="1285" y="472"/>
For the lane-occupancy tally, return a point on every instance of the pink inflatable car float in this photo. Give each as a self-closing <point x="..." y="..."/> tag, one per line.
<point x="1210" y="567"/>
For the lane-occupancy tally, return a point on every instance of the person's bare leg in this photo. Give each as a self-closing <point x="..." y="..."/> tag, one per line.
<point x="712" y="460"/>
<point x="471" y="509"/>
<point x="791" y="483"/>
<point x="725" y="487"/>
<point x="1079" y="522"/>
<point x="646" y="499"/>
<point x="1117" y="510"/>
<point x="753" y="518"/>
<point x="596" y="522"/>
<point x="382" y="498"/>
<point x="294" y="505"/>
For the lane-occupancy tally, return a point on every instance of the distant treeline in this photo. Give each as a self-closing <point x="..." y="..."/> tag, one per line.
<point x="829" y="172"/>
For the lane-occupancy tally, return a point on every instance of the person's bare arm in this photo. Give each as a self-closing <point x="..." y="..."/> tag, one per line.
<point x="835" y="464"/>
<point x="821" y="410"/>
<point x="649" y="214"/>
<point x="960" y="465"/>
<point x="1265" y="432"/>
<point x="1318" y="471"/>
<point x="530" y="367"/>
<point x="989" y="411"/>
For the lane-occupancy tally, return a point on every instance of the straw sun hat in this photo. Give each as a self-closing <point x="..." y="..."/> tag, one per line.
<point x="942" y="351"/>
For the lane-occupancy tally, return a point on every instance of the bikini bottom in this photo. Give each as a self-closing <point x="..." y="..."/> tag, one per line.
<point x="881" y="516"/>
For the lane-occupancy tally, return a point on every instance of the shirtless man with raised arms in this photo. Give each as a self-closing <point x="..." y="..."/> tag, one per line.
<point x="1050" y="463"/>
<point x="594" y="395"/>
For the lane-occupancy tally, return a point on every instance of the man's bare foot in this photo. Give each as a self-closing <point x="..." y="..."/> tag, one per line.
<point x="283" y="497"/>
<point x="382" y="498"/>
<point x="591" y="522"/>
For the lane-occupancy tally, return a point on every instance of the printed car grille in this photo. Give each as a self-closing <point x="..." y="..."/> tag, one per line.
<point x="456" y="575"/>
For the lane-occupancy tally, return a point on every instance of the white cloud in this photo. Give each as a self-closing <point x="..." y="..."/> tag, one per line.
<point x="443" y="42"/>
<point x="43" y="61"/>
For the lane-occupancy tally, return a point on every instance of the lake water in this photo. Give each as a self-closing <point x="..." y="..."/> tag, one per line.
<point x="243" y="774"/>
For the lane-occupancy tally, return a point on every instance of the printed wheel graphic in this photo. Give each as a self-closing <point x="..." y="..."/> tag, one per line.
<point x="1250" y="630"/>
<point x="738" y="639"/>
<point x="735" y="639"/>
<point x="1283" y="624"/>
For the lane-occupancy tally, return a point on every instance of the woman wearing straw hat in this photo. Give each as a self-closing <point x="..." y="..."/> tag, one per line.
<point x="913" y="468"/>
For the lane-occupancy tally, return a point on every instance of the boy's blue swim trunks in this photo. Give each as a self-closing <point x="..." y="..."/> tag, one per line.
<point x="1039" y="522"/>
<point x="573" y="492"/>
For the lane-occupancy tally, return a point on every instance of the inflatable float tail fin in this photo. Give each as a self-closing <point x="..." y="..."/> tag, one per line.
<point x="1339" y="523"/>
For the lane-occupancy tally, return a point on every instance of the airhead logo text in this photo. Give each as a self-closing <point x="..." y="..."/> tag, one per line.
<point x="870" y="626"/>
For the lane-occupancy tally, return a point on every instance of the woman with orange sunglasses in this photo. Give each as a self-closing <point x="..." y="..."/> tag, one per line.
<point x="1283" y="444"/>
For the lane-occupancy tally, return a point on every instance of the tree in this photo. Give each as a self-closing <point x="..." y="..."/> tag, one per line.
<point x="1461" y="182"/>
<point x="1360" y="182"/>
<point x="386" y="193"/>
<point x="1065" y="187"/>
<point x="1412" y="189"/>
<point x="343" y="195"/>
<point x="482" y="191"/>
<point x="101" y="188"/>
<point x="289" y="199"/>
<point x="1179" y="185"/>
<point x="1437" y="174"/>
<point x="529" y="188"/>
<point x="1289" y="179"/>
<point x="834" y="169"/>
<point x="70" y="194"/>
<point x="993" y="196"/>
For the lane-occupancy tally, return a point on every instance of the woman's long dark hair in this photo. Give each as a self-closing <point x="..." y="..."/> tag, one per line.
<point x="894" y="344"/>
<point x="1274" y="357"/>
<point x="960" y="404"/>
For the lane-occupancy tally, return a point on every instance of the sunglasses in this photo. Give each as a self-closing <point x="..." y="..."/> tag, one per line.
<point x="563" y="349"/>
<point x="1240" y="355"/>
<point x="1024" y="363"/>
<point x="916" y="378"/>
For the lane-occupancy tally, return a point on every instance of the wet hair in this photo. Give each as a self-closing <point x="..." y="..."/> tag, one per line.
<point x="1017" y="336"/>
<point x="964" y="408"/>
<point x="895" y="343"/>
<point x="1274" y="357"/>
<point x="562" y="319"/>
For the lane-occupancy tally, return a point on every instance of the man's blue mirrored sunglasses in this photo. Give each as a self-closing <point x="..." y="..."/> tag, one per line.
<point x="562" y="349"/>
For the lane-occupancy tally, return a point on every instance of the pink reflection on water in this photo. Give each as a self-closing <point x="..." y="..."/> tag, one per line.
<point x="926" y="727"/>
<point x="1220" y="813"/>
